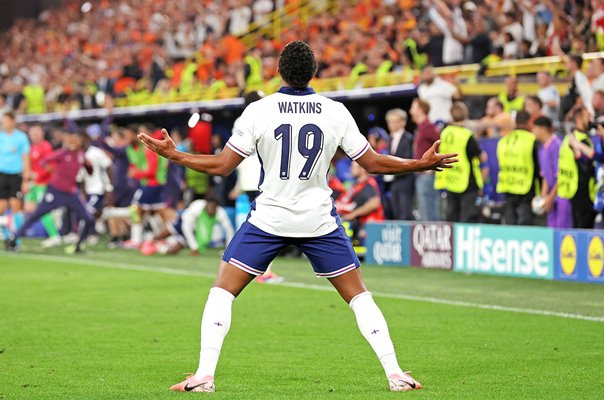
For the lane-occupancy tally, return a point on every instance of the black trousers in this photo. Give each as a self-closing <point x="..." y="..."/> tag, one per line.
<point x="463" y="207"/>
<point x="584" y="215"/>
<point x="518" y="209"/>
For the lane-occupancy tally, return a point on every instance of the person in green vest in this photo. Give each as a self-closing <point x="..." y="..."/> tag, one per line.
<point x="411" y="50"/>
<point x="35" y="100"/>
<point x="576" y="171"/>
<point x="360" y="68"/>
<point x="381" y="72"/>
<point x="510" y="98"/>
<point x="463" y="182"/>
<point x="518" y="170"/>
<point x="254" y="75"/>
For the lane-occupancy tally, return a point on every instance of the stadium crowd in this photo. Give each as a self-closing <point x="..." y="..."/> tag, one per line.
<point x="517" y="163"/>
<point x="74" y="56"/>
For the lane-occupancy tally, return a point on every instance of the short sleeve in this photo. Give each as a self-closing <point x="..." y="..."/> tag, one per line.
<point x="353" y="142"/>
<point x="25" y="147"/>
<point x="473" y="148"/>
<point x="242" y="140"/>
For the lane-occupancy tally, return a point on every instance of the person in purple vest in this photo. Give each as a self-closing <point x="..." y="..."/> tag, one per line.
<point x="62" y="190"/>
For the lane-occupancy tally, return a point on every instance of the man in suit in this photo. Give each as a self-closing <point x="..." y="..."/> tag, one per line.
<point x="402" y="188"/>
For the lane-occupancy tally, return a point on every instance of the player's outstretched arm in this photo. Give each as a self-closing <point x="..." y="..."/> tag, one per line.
<point x="221" y="164"/>
<point x="383" y="164"/>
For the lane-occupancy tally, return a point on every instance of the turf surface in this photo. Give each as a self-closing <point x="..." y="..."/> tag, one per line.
<point x="115" y="325"/>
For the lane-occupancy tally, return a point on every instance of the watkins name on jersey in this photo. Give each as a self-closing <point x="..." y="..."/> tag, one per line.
<point x="299" y="107"/>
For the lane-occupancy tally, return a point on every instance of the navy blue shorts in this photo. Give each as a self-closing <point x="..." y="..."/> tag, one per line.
<point x="94" y="203"/>
<point x="149" y="197"/>
<point x="252" y="250"/>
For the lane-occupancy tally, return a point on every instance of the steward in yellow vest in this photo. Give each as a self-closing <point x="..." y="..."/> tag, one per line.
<point x="576" y="172"/>
<point x="464" y="181"/>
<point x="518" y="168"/>
<point x="254" y="76"/>
<point x="510" y="98"/>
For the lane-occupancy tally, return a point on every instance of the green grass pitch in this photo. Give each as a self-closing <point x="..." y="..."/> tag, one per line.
<point x="116" y="325"/>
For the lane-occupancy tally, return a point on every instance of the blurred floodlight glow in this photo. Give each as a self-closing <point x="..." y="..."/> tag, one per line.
<point x="194" y="120"/>
<point x="86" y="7"/>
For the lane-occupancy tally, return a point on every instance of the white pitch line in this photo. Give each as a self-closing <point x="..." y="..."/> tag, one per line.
<point x="424" y="299"/>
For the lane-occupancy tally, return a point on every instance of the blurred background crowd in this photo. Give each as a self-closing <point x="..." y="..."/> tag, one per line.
<point x="525" y="159"/>
<point x="158" y="51"/>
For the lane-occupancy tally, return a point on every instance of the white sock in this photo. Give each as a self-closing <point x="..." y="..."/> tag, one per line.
<point x="374" y="328"/>
<point x="215" y="325"/>
<point x="136" y="233"/>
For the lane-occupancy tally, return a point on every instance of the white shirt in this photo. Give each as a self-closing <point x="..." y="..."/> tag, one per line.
<point x="395" y="140"/>
<point x="598" y="83"/>
<point x="452" y="48"/>
<point x="440" y="97"/>
<point x="585" y="90"/>
<point x="189" y="222"/>
<point x="549" y="94"/>
<point x="296" y="134"/>
<point x="98" y="182"/>
<point x="240" y="19"/>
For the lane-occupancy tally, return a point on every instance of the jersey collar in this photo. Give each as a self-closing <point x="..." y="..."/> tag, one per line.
<point x="296" y="92"/>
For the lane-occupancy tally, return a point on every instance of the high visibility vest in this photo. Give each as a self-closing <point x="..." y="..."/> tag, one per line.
<point x="34" y="96"/>
<point x="382" y="72"/>
<point x="255" y="76"/>
<point x="454" y="139"/>
<point x="516" y="164"/>
<point x="568" y="171"/>
<point x="355" y="73"/>
<point x="138" y="158"/>
<point x="203" y="230"/>
<point x="419" y="59"/>
<point x="511" y="105"/>
<point x="187" y="78"/>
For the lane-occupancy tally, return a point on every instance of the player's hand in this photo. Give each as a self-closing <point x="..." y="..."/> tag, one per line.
<point x="348" y="217"/>
<point x="435" y="161"/>
<point x="165" y="148"/>
<point x="549" y="204"/>
<point x="24" y="187"/>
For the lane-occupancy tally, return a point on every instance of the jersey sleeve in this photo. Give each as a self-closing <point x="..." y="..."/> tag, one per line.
<point x="24" y="145"/>
<point x="353" y="142"/>
<point x="242" y="141"/>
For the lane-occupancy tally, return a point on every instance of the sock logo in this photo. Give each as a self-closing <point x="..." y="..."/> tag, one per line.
<point x="375" y="331"/>
<point x="217" y="324"/>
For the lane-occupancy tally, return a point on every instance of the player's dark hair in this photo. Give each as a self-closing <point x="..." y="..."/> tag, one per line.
<point x="578" y="113"/>
<point x="536" y="100"/>
<point x="297" y="64"/>
<point x="10" y="115"/>
<point x="211" y="199"/>
<point x="544" y="122"/>
<point x="459" y="111"/>
<point x="522" y="118"/>
<point x="423" y="105"/>
<point x="578" y="60"/>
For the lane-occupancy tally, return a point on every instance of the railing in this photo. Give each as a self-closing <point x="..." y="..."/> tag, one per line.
<point x="468" y="74"/>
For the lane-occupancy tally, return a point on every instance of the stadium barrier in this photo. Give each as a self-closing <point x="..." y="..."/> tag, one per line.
<point x="526" y="252"/>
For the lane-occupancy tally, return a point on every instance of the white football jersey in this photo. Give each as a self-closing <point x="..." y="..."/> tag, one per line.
<point x="296" y="134"/>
